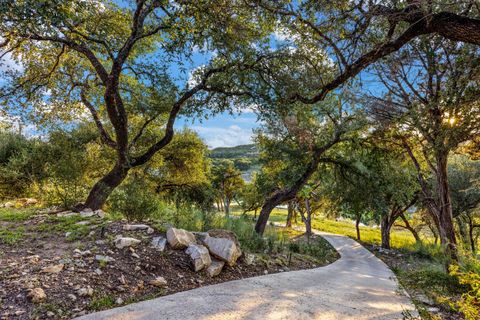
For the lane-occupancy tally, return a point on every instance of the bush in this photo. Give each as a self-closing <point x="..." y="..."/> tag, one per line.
<point x="469" y="303"/>
<point x="134" y="200"/>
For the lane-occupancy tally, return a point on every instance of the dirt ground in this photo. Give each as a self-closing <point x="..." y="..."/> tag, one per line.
<point x="80" y="282"/>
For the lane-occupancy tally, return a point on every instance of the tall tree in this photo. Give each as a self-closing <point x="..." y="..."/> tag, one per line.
<point x="432" y="105"/>
<point x="114" y="61"/>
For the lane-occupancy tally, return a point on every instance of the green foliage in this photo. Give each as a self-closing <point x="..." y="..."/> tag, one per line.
<point x="134" y="200"/>
<point x="73" y="161"/>
<point x="180" y="172"/>
<point x="20" y="164"/>
<point x="469" y="303"/>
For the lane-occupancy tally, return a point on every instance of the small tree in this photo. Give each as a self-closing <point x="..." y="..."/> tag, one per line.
<point x="228" y="181"/>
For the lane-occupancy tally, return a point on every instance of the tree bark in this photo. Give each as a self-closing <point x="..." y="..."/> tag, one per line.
<point x="308" y="220"/>
<point x="290" y="209"/>
<point x="357" y="226"/>
<point x="227" y="206"/>
<point x="445" y="218"/>
<point x="104" y="187"/>
<point x="385" y="228"/>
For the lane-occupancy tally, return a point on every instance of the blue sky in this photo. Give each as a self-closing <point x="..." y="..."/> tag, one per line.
<point x="223" y="130"/>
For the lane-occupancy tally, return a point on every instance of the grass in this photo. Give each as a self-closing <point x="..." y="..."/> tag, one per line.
<point x="399" y="239"/>
<point x="64" y="225"/>
<point x="15" y="215"/>
<point x="101" y="303"/>
<point x="11" y="236"/>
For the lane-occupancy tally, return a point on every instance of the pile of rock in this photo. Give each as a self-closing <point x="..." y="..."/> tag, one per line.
<point x="22" y="202"/>
<point x="207" y="250"/>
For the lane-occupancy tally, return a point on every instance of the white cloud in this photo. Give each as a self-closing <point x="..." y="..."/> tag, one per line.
<point x="224" y="137"/>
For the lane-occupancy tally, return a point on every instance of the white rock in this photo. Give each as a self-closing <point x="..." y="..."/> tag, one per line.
<point x="135" y="227"/>
<point x="150" y="230"/>
<point x="119" y="301"/>
<point x="223" y="249"/>
<point x="31" y="201"/>
<point x="99" y="213"/>
<point x="104" y="259"/>
<point x="159" y="243"/>
<point x="249" y="259"/>
<point x="86" y="213"/>
<point x="85" y="292"/>
<point x="215" y="268"/>
<point x="9" y="205"/>
<point x="158" y="282"/>
<point x="121" y="242"/>
<point x="199" y="256"/>
<point x="179" y="238"/>
<point x="53" y="268"/>
<point x="36" y="295"/>
<point x="72" y="297"/>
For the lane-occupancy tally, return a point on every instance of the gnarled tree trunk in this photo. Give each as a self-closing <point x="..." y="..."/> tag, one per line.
<point x="104" y="187"/>
<point x="445" y="216"/>
<point x="385" y="228"/>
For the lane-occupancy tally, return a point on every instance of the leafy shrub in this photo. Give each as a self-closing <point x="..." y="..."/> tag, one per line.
<point x="469" y="303"/>
<point x="134" y="200"/>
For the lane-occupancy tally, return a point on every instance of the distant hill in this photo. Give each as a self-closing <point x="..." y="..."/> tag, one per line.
<point x="244" y="157"/>
<point x="242" y="151"/>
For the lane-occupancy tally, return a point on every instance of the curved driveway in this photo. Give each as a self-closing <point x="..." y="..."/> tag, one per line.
<point x="356" y="286"/>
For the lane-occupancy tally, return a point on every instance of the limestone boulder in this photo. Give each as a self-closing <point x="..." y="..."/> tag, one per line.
<point x="222" y="233"/>
<point x="158" y="282"/>
<point x="159" y="243"/>
<point x="122" y="242"/>
<point x="223" y="244"/>
<point x="199" y="257"/>
<point x="179" y="238"/>
<point x="215" y="268"/>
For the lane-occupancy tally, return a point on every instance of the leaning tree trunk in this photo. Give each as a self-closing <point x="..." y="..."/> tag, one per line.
<point x="445" y="217"/>
<point x="288" y="194"/>
<point x="104" y="187"/>
<point x="411" y="229"/>
<point x="267" y="208"/>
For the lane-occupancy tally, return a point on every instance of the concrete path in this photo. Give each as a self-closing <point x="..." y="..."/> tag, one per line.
<point x="357" y="286"/>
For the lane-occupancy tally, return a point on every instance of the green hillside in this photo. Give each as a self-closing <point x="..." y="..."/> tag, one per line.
<point x="242" y="151"/>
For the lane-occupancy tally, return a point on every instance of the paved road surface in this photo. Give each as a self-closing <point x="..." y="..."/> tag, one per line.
<point x="356" y="286"/>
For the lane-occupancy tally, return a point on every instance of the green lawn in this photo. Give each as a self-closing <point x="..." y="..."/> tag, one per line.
<point x="400" y="238"/>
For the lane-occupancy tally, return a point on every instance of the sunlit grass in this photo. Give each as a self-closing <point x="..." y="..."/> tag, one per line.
<point x="400" y="238"/>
